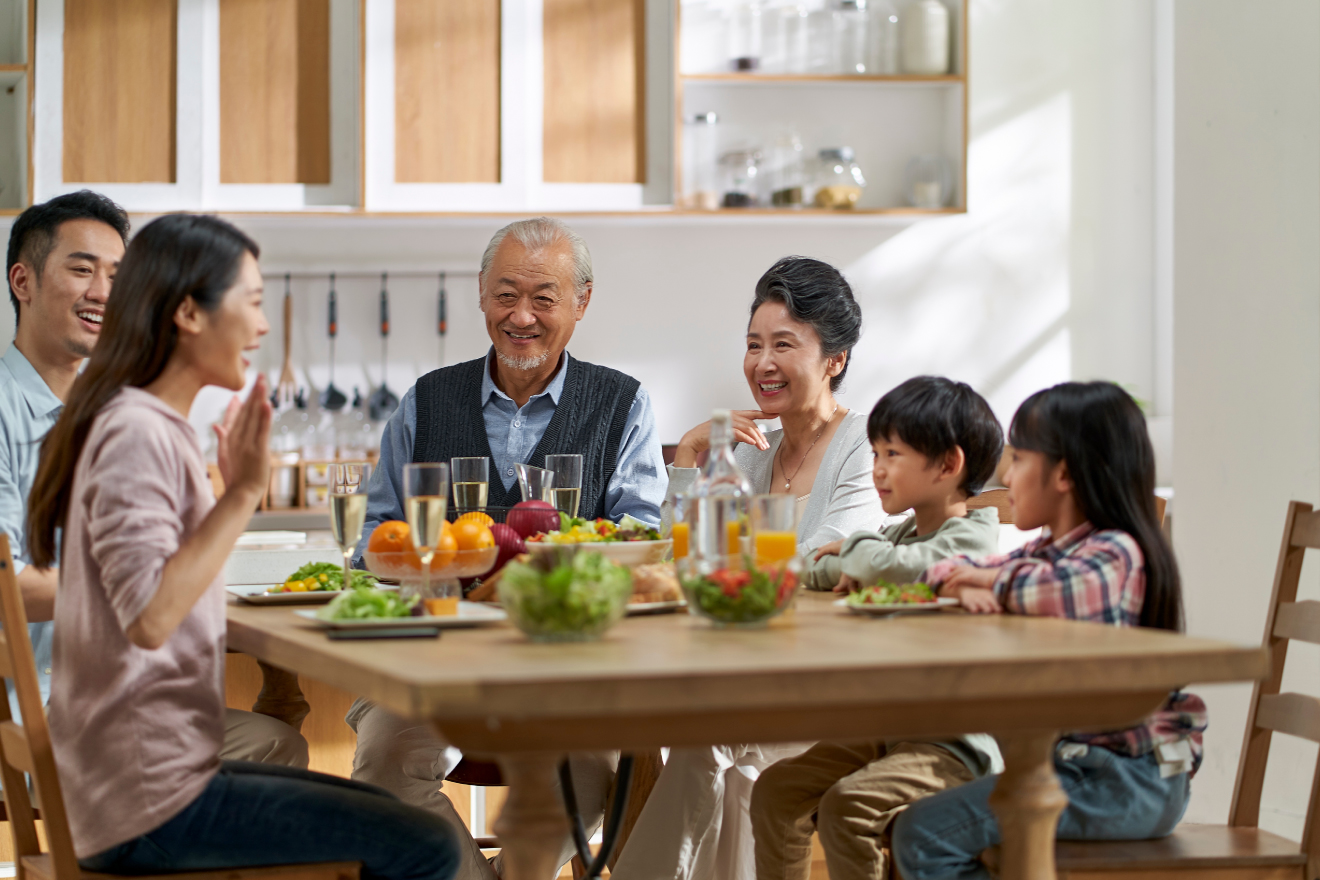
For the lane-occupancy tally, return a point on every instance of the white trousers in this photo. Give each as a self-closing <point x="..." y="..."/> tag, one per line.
<point x="407" y="758"/>
<point x="696" y="825"/>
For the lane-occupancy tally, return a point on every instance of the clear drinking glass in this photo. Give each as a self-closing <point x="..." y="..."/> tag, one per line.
<point x="567" y="491"/>
<point x="471" y="479"/>
<point x="425" y="502"/>
<point x="536" y="483"/>
<point x="680" y="529"/>
<point x="774" y="529"/>
<point x="348" y="508"/>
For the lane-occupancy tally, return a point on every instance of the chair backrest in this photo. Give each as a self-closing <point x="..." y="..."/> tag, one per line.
<point x="25" y="748"/>
<point x="996" y="498"/>
<point x="1271" y="711"/>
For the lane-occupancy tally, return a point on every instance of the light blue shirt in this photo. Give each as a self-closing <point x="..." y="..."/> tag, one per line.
<point x="637" y="486"/>
<point x="28" y="409"/>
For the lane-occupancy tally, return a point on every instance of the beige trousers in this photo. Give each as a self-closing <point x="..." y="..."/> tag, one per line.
<point x="850" y="794"/>
<point x="253" y="737"/>
<point x="409" y="760"/>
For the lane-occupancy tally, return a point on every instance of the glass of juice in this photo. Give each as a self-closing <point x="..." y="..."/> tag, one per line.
<point x="680" y="530"/>
<point x="536" y="483"/>
<point x="773" y="521"/>
<point x="471" y="479"/>
<point x="567" y="491"/>
<point x="425" y="502"/>
<point x="348" y="508"/>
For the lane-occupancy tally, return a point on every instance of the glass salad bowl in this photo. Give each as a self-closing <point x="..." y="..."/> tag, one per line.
<point x="735" y="591"/>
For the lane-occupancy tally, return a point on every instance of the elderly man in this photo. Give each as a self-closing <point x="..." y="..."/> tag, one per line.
<point x="527" y="398"/>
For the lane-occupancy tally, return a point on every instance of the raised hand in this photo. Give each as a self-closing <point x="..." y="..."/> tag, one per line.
<point x="244" y="454"/>
<point x="697" y="440"/>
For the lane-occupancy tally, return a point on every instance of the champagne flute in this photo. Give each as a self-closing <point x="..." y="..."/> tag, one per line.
<point x="471" y="479"/>
<point x="567" y="489"/>
<point x="425" y="501"/>
<point x="348" y="509"/>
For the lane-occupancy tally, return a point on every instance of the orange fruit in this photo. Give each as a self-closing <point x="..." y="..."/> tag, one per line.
<point x="478" y="516"/>
<point x="390" y="537"/>
<point x="473" y="535"/>
<point x="445" y="550"/>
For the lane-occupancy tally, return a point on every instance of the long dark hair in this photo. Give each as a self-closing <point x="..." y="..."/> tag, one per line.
<point x="173" y="258"/>
<point x="815" y="293"/>
<point x="1100" y="432"/>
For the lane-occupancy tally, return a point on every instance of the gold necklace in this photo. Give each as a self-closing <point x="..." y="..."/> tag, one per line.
<point x="788" y="481"/>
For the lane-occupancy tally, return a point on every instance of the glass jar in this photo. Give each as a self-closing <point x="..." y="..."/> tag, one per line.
<point x="740" y="178"/>
<point x="926" y="38"/>
<point x="883" y="37"/>
<point x="851" y="37"/>
<point x="928" y="181"/>
<point x="745" y="35"/>
<point x="700" y="162"/>
<point x="787" y="172"/>
<point x="839" y="180"/>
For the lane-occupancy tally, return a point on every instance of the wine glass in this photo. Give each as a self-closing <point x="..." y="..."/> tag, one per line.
<point x="348" y="509"/>
<point x="471" y="479"/>
<point x="567" y="489"/>
<point x="425" y="502"/>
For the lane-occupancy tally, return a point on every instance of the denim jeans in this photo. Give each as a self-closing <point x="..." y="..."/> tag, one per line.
<point x="1110" y="797"/>
<point x="263" y="814"/>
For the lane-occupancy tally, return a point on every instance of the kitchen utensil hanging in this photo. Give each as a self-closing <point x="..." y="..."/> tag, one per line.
<point x="443" y="318"/>
<point x="332" y="398"/>
<point x="383" y="402"/>
<point x="287" y="387"/>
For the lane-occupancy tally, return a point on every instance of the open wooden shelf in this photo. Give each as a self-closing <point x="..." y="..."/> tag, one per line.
<point x="13" y="68"/>
<point x="780" y="78"/>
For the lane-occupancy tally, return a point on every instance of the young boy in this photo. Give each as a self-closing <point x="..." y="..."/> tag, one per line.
<point x="936" y="443"/>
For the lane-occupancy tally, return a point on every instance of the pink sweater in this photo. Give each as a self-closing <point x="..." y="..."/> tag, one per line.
<point x="137" y="733"/>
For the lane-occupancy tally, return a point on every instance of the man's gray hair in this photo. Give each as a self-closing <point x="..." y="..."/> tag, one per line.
<point x="539" y="233"/>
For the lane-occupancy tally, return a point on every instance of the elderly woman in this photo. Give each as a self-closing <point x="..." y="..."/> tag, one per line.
<point x="804" y="324"/>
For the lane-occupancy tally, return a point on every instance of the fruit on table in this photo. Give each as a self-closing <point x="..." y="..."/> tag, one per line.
<point x="472" y="535"/>
<point x="510" y="544"/>
<point x="479" y="516"/>
<point x="393" y="536"/>
<point x="528" y="518"/>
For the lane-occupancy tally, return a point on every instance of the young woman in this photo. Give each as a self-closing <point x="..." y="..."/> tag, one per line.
<point x="137" y="712"/>
<point x="804" y="323"/>
<point x="1082" y="467"/>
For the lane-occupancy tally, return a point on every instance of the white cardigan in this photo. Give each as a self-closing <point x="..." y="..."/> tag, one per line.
<point x="843" y="497"/>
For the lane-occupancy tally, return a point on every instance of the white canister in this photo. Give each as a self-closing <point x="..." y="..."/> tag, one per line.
<point x="926" y="38"/>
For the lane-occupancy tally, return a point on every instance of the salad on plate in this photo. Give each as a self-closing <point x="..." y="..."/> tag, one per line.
<point x="367" y="603"/>
<point x="885" y="593"/>
<point x="576" y="530"/>
<point x="323" y="577"/>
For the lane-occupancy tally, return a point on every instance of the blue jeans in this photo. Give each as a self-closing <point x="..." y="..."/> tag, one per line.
<point x="1110" y="797"/>
<point x="262" y="814"/>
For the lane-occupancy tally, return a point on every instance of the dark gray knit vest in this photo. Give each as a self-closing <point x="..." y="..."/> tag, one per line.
<point x="589" y="420"/>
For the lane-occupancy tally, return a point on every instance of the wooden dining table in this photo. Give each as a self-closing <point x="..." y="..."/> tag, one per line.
<point x="815" y="673"/>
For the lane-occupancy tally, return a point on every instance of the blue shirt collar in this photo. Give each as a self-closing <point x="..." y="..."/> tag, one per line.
<point x="555" y="389"/>
<point x="40" y="399"/>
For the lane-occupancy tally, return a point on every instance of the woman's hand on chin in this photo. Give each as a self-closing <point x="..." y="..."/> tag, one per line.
<point x="697" y="440"/>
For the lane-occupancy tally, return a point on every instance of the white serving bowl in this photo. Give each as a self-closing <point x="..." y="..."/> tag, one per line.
<point x="627" y="553"/>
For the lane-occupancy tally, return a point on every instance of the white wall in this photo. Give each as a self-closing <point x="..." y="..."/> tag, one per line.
<point x="1246" y="344"/>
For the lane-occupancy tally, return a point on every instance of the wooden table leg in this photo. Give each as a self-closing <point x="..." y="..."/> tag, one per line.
<point x="1027" y="801"/>
<point x="281" y="696"/>
<point x="533" y="824"/>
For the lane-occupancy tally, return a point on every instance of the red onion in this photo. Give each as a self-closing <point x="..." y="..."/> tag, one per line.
<point x="532" y="517"/>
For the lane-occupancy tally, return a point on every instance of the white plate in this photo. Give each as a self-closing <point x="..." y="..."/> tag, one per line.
<point x="636" y="609"/>
<point x="890" y="610"/>
<point x="469" y="614"/>
<point x="257" y="594"/>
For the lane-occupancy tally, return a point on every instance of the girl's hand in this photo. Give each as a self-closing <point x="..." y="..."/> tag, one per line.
<point x="977" y="600"/>
<point x="697" y="440"/>
<point x="971" y="576"/>
<point x="830" y="549"/>
<point x="244" y="453"/>
<point x="847" y="584"/>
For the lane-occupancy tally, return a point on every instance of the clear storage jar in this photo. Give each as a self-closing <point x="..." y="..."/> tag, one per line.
<point x="839" y="179"/>
<point x="740" y="176"/>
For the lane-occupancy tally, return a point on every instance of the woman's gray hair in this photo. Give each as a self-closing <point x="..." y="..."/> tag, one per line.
<point x="537" y="234"/>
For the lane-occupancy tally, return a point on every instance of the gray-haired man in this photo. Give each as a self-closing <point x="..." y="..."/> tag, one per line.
<point x="527" y="398"/>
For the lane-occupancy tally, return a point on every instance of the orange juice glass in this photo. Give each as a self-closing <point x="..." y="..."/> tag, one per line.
<point x="774" y="528"/>
<point x="772" y="547"/>
<point x="681" y="532"/>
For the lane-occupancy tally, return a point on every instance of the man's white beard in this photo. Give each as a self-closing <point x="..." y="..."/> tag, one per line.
<point x="523" y="364"/>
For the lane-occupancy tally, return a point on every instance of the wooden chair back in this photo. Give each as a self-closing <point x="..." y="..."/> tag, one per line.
<point x="25" y="747"/>
<point x="996" y="498"/>
<point x="1273" y="712"/>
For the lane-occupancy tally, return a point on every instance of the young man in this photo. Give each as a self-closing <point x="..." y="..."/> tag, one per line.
<point x="936" y="443"/>
<point x="61" y="261"/>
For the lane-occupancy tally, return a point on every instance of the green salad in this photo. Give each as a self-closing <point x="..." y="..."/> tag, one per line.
<point x="743" y="595"/>
<point x="367" y="603"/>
<point x="323" y="576"/>
<point x="565" y="595"/>
<point x="885" y="593"/>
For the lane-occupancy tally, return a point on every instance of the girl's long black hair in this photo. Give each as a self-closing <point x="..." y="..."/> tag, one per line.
<point x="1100" y="432"/>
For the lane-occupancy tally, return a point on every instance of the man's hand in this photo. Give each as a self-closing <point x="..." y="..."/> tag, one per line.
<point x="833" y="548"/>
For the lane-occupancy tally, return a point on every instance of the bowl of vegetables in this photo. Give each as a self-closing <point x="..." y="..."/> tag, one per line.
<point x="735" y="591"/>
<point x="629" y="542"/>
<point x="570" y="595"/>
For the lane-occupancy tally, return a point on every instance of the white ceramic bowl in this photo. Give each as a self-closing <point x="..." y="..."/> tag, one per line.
<point x="627" y="553"/>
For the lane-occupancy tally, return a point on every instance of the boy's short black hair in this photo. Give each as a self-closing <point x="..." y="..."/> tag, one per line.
<point x="933" y="415"/>
<point x="32" y="237"/>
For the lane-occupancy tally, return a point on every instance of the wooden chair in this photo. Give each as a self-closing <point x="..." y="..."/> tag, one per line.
<point x="1239" y="850"/>
<point x="26" y="748"/>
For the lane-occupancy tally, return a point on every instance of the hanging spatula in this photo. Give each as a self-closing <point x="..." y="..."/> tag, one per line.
<point x="287" y="387"/>
<point x="382" y="403"/>
<point x="332" y="398"/>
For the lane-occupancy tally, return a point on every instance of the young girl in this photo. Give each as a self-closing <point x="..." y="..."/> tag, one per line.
<point x="1082" y="466"/>
<point x="137" y="706"/>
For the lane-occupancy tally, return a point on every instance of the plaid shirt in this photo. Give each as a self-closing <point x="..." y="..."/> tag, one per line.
<point x="1088" y="575"/>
